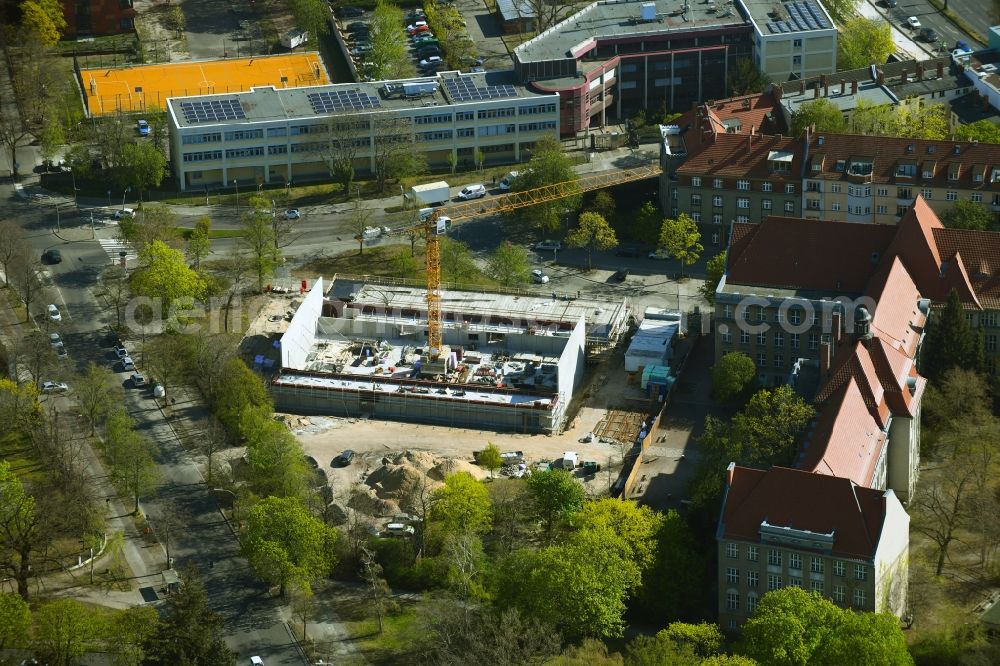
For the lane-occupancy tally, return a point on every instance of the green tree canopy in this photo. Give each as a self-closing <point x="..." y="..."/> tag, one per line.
<point x="732" y="374"/>
<point x="312" y="15"/>
<point x="490" y="458"/>
<point x="820" y="112"/>
<point x="45" y="19"/>
<point x="745" y="78"/>
<point x="966" y="214"/>
<point x="557" y="496"/>
<point x="128" y="632"/>
<point x="548" y="165"/>
<point x="604" y="205"/>
<point x="951" y="342"/>
<point x="658" y="650"/>
<point x="680" y="238"/>
<point x="462" y="505"/>
<point x="673" y="587"/>
<point x="841" y="10"/>
<point x="285" y="544"/>
<point x="509" y="264"/>
<point x="388" y="57"/>
<point x="142" y="167"/>
<point x="240" y="389"/>
<point x="15" y="620"/>
<point x="592" y="233"/>
<point x="189" y="632"/>
<point x="981" y="130"/>
<point x="199" y="244"/>
<point x="864" y="41"/>
<point x="65" y="630"/>
<point x="770" y="423"/>
<point x="163" y="273"/>
<point x="645" y="225"/>
<point x="637" y="525"/>
<point x="714" y="271"/>
<point x="704" y="639"/>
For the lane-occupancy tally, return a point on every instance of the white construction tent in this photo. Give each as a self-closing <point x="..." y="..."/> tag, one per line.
<point x="652" y="344"/>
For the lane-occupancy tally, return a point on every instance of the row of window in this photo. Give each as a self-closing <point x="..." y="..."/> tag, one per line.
<point x="779" y="342"/>
<point x="204" y="156"/>
<point x="719" y="202"/>
<point x="744" y="185"/>
<point x="775" y="557"/>
<point x="762" y="314"/>
<point x="774" y="583"/>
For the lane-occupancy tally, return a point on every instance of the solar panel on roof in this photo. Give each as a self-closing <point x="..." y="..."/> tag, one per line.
<point x="467" y="90"/>
<point x="204" y="111"/>
<point x="334" y="101"/>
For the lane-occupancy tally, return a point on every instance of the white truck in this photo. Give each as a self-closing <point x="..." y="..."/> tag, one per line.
<point x="570" y="460"/>
<point x="431" y="194"/>
<point x="294" y="37"/>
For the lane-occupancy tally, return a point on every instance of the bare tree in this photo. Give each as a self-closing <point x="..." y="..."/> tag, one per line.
<point x="170" y="520"/>
<point x="23" y="279"/>
<point x="392" y="149"/>
<point x="117" y="290"/>
<point x="11" y="246"/>
<point x="236" y="273"/>
<point x="13" y="132"/>
<point x="34" y="352"/>
<point x="360" y="216"/>
<point x="165" y="357"/>
<point x="942" y="508"/>
<point x="381" y="595"/>
<point x="348" y="135"/>
<point x="464" y="554"/>
<point x="546" y="12"/>
<point x="303" y="605"/>
<point x="96" y="393"/>
<point x="213" y="439"/>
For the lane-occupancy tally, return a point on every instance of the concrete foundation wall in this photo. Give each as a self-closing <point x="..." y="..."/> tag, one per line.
<point x="298" y="339"/>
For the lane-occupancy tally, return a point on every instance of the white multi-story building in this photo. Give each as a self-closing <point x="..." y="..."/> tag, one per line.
<point x="794" y="37"/>
<point x="270" y="135"/>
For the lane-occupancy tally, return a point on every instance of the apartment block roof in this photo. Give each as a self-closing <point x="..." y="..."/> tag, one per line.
<point x="803" y="501"/>
<point x="424" y="93"/>
<point x="964" y="165"/>
<point x="760" y="113"/>
<point x="621" y="20"/>
<point x="724" y="155"/>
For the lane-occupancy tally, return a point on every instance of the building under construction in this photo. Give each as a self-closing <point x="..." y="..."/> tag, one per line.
<point x="508" y="361"/>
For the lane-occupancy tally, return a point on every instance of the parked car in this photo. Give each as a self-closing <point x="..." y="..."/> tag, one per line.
<point x="548" y="245"/>
<point x="431" y="55"/>
<point x="628" y="252"/>
<point x="61" y="351"/>
<point x="929" y="35"/>
<point x="54" y="387"/>
<point x="656" y="254"/>
<point x="538" y="277"/>
<point x="55" y="340"/>
<point x="398" y="530"/>
<point x="476" y="191"/>
<point x="127" y="364"/>
<point x="53" y="312"/>
<point x="417" y="26"/>
<point x="120" y="351"/>
<point x="124" y="212"/>
<point x="360" y="50"/>
<point x="138" y="380"/>
<point x="891" y="4"/>
<point x="143" y="128"/>
<point x="344" y="459"/>
<point x="913" y="22"/>
<point x="52" y="256"/>
<point x="292" y="214"/>
<point x="349" y="12"/>
<point x="619" y="275"/>
<point x="425" y="39"/>
<point x="507" y="180"/>
<point x="358" y="26"/>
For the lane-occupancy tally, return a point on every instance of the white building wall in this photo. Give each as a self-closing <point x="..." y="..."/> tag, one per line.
<point x="298" y="339"/>
<point x="892" y="558"/>
<point x="571" y="362"/>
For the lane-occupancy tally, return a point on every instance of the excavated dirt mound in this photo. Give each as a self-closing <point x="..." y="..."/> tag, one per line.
<point x="366" y="501"/>
<point x="451" y="465"/>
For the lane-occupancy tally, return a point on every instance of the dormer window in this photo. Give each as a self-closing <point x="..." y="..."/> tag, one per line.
<point x="841" y="164"/>
<point x="861" y="168"/>
<point x="910" y="148"/>
<point x="904" y="170"/>
<point x="954" y="171"/>
<point x="995" y="177"/>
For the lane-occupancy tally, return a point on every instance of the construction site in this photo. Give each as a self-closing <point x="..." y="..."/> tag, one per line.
<point x="507" y="362"/>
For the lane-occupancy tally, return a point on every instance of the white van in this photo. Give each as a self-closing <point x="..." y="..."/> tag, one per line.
<point x="507" y="180"/>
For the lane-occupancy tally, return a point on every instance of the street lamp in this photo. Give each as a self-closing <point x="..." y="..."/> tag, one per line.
<point x="127" y="190"/>
<point x="237" y="184"/>
<point x="73" y="176"/>
<point x="58" y="228"/>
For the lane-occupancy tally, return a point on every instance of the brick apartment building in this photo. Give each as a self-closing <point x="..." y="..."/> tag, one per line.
<point x="98" y="17"/>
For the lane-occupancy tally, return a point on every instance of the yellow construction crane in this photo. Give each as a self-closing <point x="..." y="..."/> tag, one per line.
<point x="502" y="204"/>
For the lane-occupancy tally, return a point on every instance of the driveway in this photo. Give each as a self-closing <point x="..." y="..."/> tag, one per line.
<point x="484" y="29"/>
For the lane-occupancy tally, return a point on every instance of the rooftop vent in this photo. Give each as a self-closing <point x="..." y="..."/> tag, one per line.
<point x="648" y="11"/>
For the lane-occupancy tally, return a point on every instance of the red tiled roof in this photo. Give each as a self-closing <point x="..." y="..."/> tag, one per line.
<point x="886" y="153"/>
<point x="980" y="251"/>
<point x="792" y="253"/>
<point x="751" y="111"/>
<point x="897" y="315"/>
<point x="804" y="501"/>
<point x="741" y="156"/>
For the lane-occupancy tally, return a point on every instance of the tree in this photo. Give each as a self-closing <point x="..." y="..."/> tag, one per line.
<point x="510" y="520"/>
<point x="672" y="586"/>
<point x="95" y="394"/>
<point x="23" y="279"/>
<point x="164" y="274"/>
<point x="579" y="586"/>
<point x="659" y="650"/>
<point x="681" y="239"/>
<point x="342" y="150"/>
<point x="52" y="138"/>
<point x="646" y="223"/>
<point x="381" y="595"/>
<point x="155" y="222"/>
<point x="871" y="119"/>
<point x="457" y="263"/>
<point x="557" y="496"/>
<point x="548" y="165"/>
<point x="199" y="245"/>
<point x="128" y="632"/>
<point x="925" y="121"/>
<point x="189" y="632"/>
<point x="115" y="280"/>
<point x="714" y="271"/>
<point x="943" y="506"/>
<point x="142" y="167"/>
<point x="284" y="544"/>
<point x="769" y="425"/>
<point x="44" y="19"/>
<point x="592" y="233"/>
<point x="388" y="57"/>
<point x="135" y="473"/>
<point x="21" y="529"/>
<point x="589" y="652"/>
<point x="238" y="393"/>
<point x="604" y="205"/>
<point x="258" y="239"/>
<point x="822" y="113"/>
<point x="951" y="342"/>
<point x="393" y="155"/>
<point x="461" y="505"/>
<point x="15" y="621"/>
<point x="12" y="246"/>
<point x="489" y="458"/>
<point x="983" y="131"/>
<point x="841" y="10"/>
<point x="745" y="78"/>
<point x="966" y="214"/>
<point x="65" y="630"/>
<point x="311" y="15"/>
<point x="864" y="41"/>
<point x="636" y="525"/>
<point x="704" y="639"/>
<point x="276" y="463"/>
<point x="13" y="133"/>
<point x="731" y="375"/>
<point x="509" y="265"/>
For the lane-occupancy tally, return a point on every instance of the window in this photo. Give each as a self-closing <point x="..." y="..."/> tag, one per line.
<point x="540" y="126"/>
<point x="465" y="132"/>
<point x="695" y="199"/>
<point x="236" y="153"/>
<point x="793" y="339"/>
<point x="795" y="316"/>
<point x="277" y="150"/>
<point x="766" y="187"/>
<point x="838" y="568"/>
<point x="727" y="311"/>
<point x="732" y="551"/>
<point x="796" y="60"/>
<point x="212" y="137"/>
<point x="461" y="116"/>
<point x="762" y="338"/>
<point x="991" y="343"/>
<point x="789" y="188"/>
<point x="779" y="360"/>
<point x="744" y="337"/>
<point x="816" y="586"/>
<point x="243" y="135"/>
<point x="901" y="210"/>
<point x="860" y="572"/>
<point x="795" y="582"/>
<point x="732" y="575"/>
<point x="794" y="561"/>
<point x="950" y="196"/>
<point x="727" y="336"/>
<point x="859" y="598"/>
<point x="796" y="43"/>
<point x="743" y="185"/>
<point x="717" y="183"/>
<point x="506" y="112"/>
<point x="977" y="197"/>
<point x="742" y="219"/>
<point x="716" y="219"/>
<point x="695" y="181"/>
<point x="789" y="206"/>
<point x="538" y="108"/>
<point x="732" y="600"/>
<point x="753" y="578"/>
<point x="432" y="119"/>
<point x="774" y="557"/>
<point x="752" y="554"/>
<point x="927" y="194"/>
<point x="717" y="201"/>
<point x="838" y="593"/>
<point x="742" y="203"/>
<point x="813" y="342"/>
<point x="761" y="360"/>
<point x="206" y="156"/>
<point x="881" y="210"/>
<point x="696" y="216"/>
<point x="904" y="193"/>
<point x="765" y="204"/>
<point x="751" y="602"/>
<point x="883" y="191"/>
<point x="779" y="339"/>
<point x="835" y="206"/>
<point x="816" y="565"/>
<point x="773" y="582"/>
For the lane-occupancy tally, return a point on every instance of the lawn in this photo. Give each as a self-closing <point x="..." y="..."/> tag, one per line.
<point x="185" y="233"/>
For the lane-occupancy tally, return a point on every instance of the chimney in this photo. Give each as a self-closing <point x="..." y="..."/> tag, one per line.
<point x="940" y="70"/>
<point x="824" y="360"/>
<point x="835" y="329"/>
<point x="777" y="92"/>
<point x="920" y="71"/>
<point x="902" y="75"/>
<point x="753" y="130"/>
<point x="881" y="77"/>
<point x="863" y="325"/>
<point x="854" y="87"/>
<point x="843" y="86"/>
<point x="749" y="142"/>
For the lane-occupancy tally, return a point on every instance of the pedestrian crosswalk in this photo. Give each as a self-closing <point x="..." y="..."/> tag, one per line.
<point x="114" y="248"/>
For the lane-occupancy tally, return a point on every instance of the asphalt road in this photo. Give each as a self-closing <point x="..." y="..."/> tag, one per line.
<point x="980" y="14"/>
<point x="931" y="17"/>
